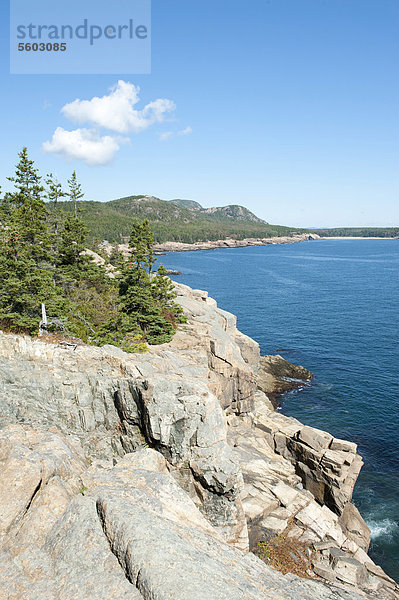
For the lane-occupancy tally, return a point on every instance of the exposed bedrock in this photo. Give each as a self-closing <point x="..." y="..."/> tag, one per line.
<point x="276" y="376"/>
<point x="130" y="532"/>
<point x="149" y="476"/>
<point x="170" y="398"/>
<point x="328" y="467"/>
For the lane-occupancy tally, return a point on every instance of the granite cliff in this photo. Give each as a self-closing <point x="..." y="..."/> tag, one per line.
<point x="152" y="476"/>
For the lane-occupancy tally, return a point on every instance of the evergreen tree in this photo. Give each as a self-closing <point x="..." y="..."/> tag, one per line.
<point x="115" y="257"/>
<point x="72" y="242"/>
<point x="164" y="294"/>
<point x="3" y="210"/>
<point x="141" y="252"/>
<point x="53" y="194"/>
<point x="25" y="251"/>
<point x="75" y="192"/>
<point x="27" y="207"/>
<point x="42" y="260"/>
<point x="136" y="289"/>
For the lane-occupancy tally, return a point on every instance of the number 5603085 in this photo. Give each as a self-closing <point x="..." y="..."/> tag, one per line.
<point x="42" y="47"/>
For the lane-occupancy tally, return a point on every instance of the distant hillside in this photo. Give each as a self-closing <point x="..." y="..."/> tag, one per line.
<point x="192" y="204"/>
<point x="232" y="212"/>
<point x="176" y="220"/>
<point x="383" y="232"/>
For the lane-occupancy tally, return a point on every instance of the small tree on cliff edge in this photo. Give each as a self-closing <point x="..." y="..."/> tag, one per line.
<point x="164" y="294"/>
<point x="136" y="288"/>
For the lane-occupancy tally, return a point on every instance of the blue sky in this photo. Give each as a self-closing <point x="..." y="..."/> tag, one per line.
<point x="289" y="107"/>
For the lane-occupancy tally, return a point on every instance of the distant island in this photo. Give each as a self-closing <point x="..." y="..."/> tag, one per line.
<point x="188" y="222"/>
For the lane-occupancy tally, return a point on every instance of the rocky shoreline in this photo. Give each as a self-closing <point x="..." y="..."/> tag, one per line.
<point x="211" y="245"/>
<point x="168" y="474"/>
<point x="232" y="243"/>
<point x="276" y="376"/>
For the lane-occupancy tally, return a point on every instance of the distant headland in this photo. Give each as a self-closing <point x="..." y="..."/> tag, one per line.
<point x="187" y="222"/>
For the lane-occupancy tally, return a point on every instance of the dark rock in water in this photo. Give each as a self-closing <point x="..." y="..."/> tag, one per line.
<point x="172" y="272"/>
<point x="276" y="376"/>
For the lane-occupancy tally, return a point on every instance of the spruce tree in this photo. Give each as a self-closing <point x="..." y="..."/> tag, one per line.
<point x="53" y="194"/>
<point x="136" y="289"/>
<point x="27" y="207"/>
<point x="72" y="242"/>
<point x="42" y="260"/>
<point x="116" y="257"/>
<point x="75" y="192"/>
<point x="25" y="251"/>
<point x="164" y="294"/>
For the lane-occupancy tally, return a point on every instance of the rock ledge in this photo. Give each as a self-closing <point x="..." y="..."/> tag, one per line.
<point x="151" y="476"/>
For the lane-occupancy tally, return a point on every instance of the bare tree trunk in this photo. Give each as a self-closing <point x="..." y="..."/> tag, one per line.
<point x="43" y="322"/>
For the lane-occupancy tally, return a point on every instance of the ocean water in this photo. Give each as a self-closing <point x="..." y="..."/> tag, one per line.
<point x="333" y="307"/>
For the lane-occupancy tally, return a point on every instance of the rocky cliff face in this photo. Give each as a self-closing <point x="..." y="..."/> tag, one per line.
<point x="151" y="476"/>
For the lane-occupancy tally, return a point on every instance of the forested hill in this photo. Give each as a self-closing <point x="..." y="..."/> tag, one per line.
<point x="175" y="220"/>
<point x="380" y="232"/>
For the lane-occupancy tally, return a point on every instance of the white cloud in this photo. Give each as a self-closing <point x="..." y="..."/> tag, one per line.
<point x="169" y="134"/>
<point x="165" y="136"/>
<point x="185" y="131"/>
<point x="83" y="144"/>
<point x="116" y="111"/>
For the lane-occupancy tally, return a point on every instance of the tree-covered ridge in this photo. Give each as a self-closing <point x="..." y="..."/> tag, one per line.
<point x="187" y="221"/>
<point x="383" y="232"/>
<point x="42" y="261"/>
<point x="172" y="220"/>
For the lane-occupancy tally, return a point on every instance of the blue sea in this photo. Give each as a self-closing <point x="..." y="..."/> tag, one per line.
<point x="333" y="307"/>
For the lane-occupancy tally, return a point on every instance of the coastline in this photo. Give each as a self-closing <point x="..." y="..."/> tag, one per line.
<point x="231" y="243"/>
<point x="263" y="280"/>
<point x="353" y="237"/>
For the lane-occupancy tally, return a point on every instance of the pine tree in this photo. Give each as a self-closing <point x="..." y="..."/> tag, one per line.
<point x="42" y="260"/>
<point x="72" y="242"/>
<point x="3" y="209"/>
<point x="136" y="289"/>
<point x="75" y="192"/>
<point x="115" y="257"/>
<point x="53" y="194"/>
<point x="25" y="251"/>
<point x="162" y="288"/>
<point x="164" y="294"/>
<point x="28" y="208"/>
<point x="141" y="252"/>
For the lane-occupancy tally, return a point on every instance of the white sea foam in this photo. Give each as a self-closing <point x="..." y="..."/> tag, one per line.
<point x="384" y="527"/>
